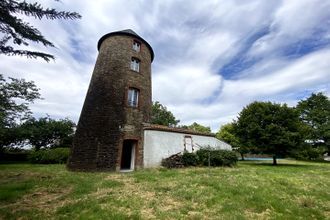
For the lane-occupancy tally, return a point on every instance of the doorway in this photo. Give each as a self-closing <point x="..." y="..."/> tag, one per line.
<point x="188" y="144"/>
<point x="128" y="155"/>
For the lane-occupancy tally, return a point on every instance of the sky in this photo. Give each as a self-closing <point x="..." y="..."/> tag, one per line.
<point x="212" y="58"/>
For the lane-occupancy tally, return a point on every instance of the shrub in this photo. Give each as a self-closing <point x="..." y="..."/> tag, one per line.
<point x="189" y="159"/>
<point x="203" y="155"/>
<point x="51" y="156"/>
<point x="217" y="157"/>
<point x="309" y="153"/>
<point x="201" y="158"/>
<point x="14" y="156"/>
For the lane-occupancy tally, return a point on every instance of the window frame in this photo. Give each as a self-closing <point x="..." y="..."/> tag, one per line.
<point x="130" y="102"/>
<point x="136" y="46"/>
<point x="135" y="64"/>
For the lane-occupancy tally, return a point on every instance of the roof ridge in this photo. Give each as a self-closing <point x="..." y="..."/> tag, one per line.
<point x="129" y="31"/>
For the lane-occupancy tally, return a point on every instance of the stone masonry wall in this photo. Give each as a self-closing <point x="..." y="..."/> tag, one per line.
<point x="106" y="119"/>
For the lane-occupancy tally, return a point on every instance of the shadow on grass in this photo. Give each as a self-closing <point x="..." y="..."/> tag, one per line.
<point x="279" y="164"/>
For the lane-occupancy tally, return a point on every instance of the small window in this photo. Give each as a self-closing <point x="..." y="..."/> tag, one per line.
<point x="135" y="64"/>
<point x="133" y="97"/>
<point x="136" y="46"/>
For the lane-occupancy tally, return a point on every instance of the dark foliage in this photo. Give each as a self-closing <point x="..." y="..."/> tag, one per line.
<point x="14" y="156"/>
<point x="269" y="128"/>
<point x="202" y="157"/>
<point x="17" y="31"/>
<point x="315" y="114"/>
<point x="216" y="157"/>
<point x="49" y="156"/>
<point x="47" y="133"/>
<point x="189" y="159"/>
<point x="309" y="152"/>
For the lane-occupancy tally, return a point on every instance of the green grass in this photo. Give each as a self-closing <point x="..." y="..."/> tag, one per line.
<point x="251" y="190"/>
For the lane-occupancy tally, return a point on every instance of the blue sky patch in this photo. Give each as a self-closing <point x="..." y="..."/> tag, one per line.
<point x="241" y="62"/>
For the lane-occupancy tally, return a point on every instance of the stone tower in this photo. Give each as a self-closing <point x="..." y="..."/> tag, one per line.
<point x="109" y="134"/>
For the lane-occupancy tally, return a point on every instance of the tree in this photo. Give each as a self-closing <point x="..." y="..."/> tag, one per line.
<point x="227" y="134"/>
<point x="315" y="114"/>
<point x="269" y="128"/>
<point x="46" y="132"/>
<point x="199" y="128"/>
<point x="19" y="32"/>
<point x="161" y="116"/>
<point x="15" y="97"/>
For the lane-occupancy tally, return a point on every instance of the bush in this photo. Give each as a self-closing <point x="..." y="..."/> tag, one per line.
<point x="201" y="158"/>
<point x="309" y="153"/>
<point x="14" y="156"/>
<point x="217" y="157"/>
<point x="189" y="159"/>
<point x="51" y="156"/>
<point x="203" y="155"/>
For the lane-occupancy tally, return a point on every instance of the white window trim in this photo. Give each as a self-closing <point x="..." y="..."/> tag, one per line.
<point x="135" y="64"/>
<point x="136" y="46"/>
<point x="133" y="97"/>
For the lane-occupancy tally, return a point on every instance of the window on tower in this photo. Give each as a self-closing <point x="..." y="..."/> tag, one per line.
<point x="133" y="97"/>
<point x="136" y="46"/>
<point x="135" y="64"/>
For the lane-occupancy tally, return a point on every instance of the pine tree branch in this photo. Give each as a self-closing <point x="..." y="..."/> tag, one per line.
<point x="15" y="29"/>
<point x="9" y="51"/>
<point x="19" y="30"/>
<point x="36" y="10"/>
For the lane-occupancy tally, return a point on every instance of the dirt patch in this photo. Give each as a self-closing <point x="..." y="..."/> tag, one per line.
<point x="305" y="201"/>
<point x="152" y="200"/>
<point x="266" y="214"/>
<point x="22" y="176"/>
<point x="45" y="200"/>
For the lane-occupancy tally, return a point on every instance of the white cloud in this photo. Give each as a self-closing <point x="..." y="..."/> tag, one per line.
<point x="185" y="83"/>
<point x="293" y="22"/>
<point x="192" y="42"/>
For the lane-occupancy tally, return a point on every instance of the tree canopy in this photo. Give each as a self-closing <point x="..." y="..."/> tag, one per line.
<point x="18" y="32"/>
<point x="198" y="127"/>
<point x="315" y="114"/>
<point x="161" y="116"/>
<point x="269" y="128"/>
<point x="227" y="134"/>
<point x="46" y="132"/>
<point x="19" y="128"/>
<point x="15" y="97"/>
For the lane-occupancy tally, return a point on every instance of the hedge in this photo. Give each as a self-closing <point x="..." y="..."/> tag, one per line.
<point x="217" y="157"/>
<point x="202" y="157"/>
<point x="49" y="156"/>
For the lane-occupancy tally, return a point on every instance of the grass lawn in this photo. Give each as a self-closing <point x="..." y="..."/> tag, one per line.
<point x="251" y="190"/>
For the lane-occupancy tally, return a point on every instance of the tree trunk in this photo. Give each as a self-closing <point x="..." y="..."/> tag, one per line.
<point x="242" y="155"/>
<point x="274" y="160"/>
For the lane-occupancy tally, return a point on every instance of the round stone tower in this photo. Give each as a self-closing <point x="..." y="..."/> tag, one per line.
<point x="109" y="134"/>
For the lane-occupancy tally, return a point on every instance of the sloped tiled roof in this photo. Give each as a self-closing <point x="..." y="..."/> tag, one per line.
<point x="177" y="130"/>
<point x="127" y="32"/>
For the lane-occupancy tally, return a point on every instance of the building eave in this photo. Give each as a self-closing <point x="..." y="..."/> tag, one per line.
<point x="175" y="130"/>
